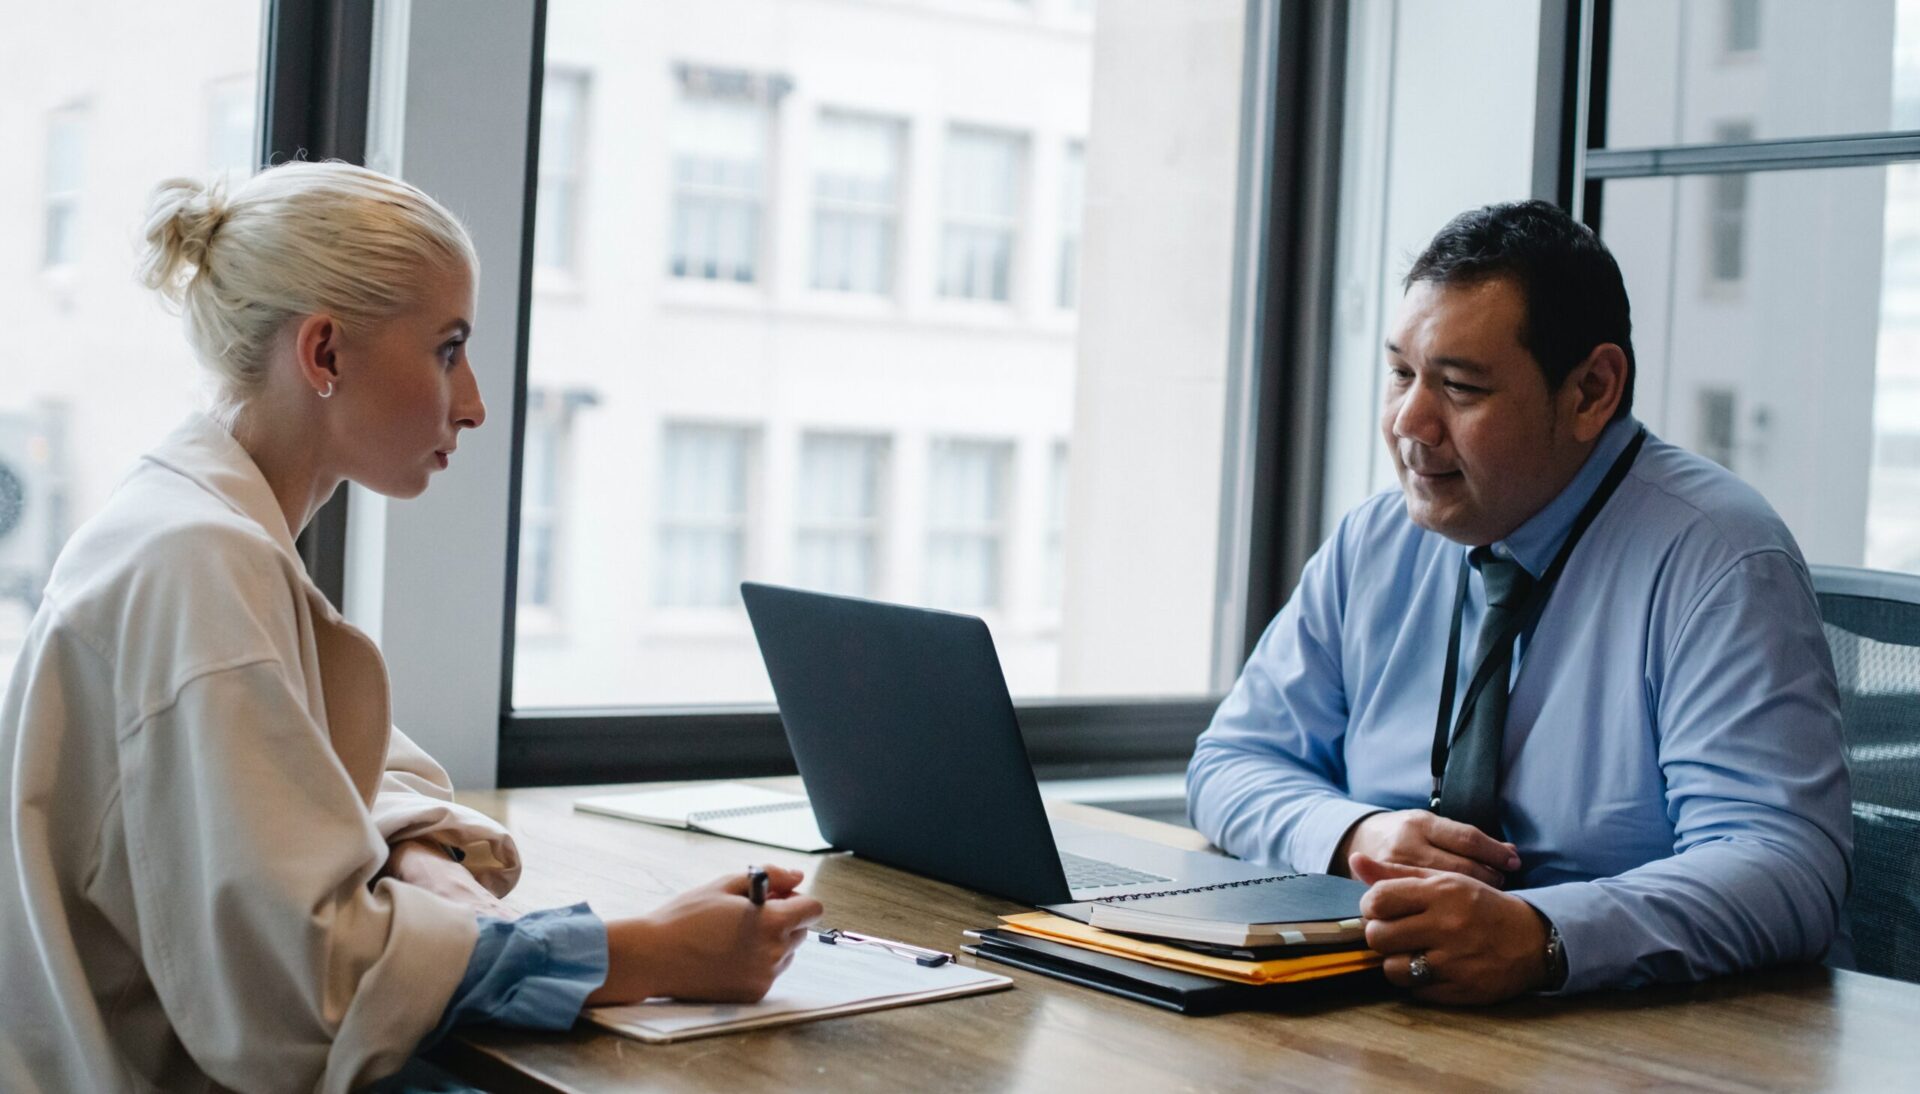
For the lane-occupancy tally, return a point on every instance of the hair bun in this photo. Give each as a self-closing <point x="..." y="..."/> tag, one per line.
<point x="182" y="218"/>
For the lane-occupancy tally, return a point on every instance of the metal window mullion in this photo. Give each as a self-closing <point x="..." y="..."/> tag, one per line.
<point x="1745" y="157"/>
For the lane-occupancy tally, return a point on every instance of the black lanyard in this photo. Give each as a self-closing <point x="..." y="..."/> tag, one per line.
<point x="1445" y="727"/>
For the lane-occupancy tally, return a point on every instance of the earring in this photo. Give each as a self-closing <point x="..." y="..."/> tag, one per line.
<point x="327" y="394"/>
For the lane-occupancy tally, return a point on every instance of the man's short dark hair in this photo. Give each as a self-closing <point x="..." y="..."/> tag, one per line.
<point x="1568" y="281"/>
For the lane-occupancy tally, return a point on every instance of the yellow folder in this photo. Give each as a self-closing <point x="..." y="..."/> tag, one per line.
<point x="1286" y="970"/>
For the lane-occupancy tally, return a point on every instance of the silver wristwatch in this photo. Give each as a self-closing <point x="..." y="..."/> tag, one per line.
<point x="1556" y="960"/>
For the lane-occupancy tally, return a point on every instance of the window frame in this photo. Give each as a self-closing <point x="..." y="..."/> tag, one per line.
<point x="1288" y="183"/>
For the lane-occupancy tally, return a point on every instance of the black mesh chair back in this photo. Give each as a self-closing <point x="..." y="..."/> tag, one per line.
<point x="1872" y="620"/>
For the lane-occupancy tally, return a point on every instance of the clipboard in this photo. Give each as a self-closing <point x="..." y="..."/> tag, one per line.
<point x="824" y="981"/>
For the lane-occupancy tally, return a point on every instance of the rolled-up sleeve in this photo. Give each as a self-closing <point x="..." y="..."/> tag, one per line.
<point x="415" y="801"/>
<point x="1267" y="778"/>
<point x="1753" y="755"/>
<point x="534" y="972"/>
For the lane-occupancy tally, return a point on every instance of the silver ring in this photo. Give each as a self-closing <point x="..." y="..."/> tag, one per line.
<point x="1419" y="970"/>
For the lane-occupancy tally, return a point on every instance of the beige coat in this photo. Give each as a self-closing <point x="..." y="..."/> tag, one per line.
<point x="198" y="785"/>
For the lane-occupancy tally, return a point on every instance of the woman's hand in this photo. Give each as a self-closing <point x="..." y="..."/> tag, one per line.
<point x="426" y="864"/>
<point x="709" y="943"/>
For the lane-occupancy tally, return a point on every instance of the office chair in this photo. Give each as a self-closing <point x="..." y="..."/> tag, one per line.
<point x="1872" y="620"/>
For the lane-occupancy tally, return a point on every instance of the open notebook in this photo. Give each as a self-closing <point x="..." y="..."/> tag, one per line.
<point x="823" y="982"/>
<point x="734" y="810"/>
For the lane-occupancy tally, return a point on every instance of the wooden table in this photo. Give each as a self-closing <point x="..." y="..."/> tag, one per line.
<point x="1801" y="1028"/>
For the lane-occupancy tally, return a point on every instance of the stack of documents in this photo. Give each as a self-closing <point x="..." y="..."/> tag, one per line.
<point x="1221" y="947"/>
<point x="1177" y="977"/>
<point x="1313" y="963"/>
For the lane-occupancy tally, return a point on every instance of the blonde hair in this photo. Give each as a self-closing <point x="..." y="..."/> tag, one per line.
<point x="297" y="239"/>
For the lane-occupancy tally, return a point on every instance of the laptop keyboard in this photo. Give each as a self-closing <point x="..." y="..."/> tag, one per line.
<point x="1091" y="873"/>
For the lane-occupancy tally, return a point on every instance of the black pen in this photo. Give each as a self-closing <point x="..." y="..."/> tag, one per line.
<point x="757" y="884"/>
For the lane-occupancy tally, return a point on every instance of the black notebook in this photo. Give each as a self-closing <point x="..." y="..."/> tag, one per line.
<point x="1185" y="992"/>
<point x="1283" y="910"/>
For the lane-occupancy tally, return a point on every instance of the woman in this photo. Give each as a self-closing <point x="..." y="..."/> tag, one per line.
<point x="227" y="868"/>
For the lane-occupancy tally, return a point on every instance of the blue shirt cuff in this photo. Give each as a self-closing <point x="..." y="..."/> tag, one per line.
<point x="534" y="972"/>
<point x="1317" y="835"/>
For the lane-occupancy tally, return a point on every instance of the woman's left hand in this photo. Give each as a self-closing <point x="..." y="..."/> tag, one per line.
<point x="425" y="863"/>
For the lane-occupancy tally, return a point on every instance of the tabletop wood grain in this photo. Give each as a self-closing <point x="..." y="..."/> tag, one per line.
<point x="1791" y="1029"/>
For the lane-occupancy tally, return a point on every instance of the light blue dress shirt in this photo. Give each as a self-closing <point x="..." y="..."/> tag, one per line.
<point x="1674" y="771"/>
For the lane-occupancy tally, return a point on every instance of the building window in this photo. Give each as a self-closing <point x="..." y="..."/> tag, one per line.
<point x="1073" y="193"/>
<point x="1727" y="215"/>
<point x="721" y="132"/>
<point x="231" y="129"/>
<point x="967" y="497"/>
<point x="1053" y="579"/>
<point x="838" y="513"/>
<point x="705" y="486"/>
<point x="982" y="213"/>
<point x="545" y="471"/>
<point x="856" y="193"/>
<point x="1742" y="26"/>
<point x="563" y="121"/>
<point x="66" y="168"/>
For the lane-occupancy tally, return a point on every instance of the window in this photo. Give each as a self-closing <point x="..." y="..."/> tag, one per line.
<point x="1806" y="382"/>
<point x="545" y="474"/>
<point x="1073" y="184"/>
<point x="1742" y="26"/>
<point x="66" y="170"/>
<point x="1053" y="585"/>
<point x="1727" y="215"/>
<point x="984" y="173"/>
<point x="563" y="123"/>
<point x="966" y="523"/>
<point x="720" y="171"/>
<point x="101" y="103"/>
<point x="1799" y="72"/>
<point x="838" y="512"/>
<point x="856" y="193"/>
<point x="704" y="501"/>
<point x="827" y="347"/>
<point x="231" y="128"/>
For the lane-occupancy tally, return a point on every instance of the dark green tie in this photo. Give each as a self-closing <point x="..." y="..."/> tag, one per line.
<point x="1470" y="791"/>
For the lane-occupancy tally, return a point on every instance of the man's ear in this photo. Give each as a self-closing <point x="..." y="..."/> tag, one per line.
<point x="1594" y="389"/>
<point x="315" y="346"/>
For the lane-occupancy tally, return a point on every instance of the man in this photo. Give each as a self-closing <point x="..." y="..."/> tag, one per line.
<point x="1649" y="783"/>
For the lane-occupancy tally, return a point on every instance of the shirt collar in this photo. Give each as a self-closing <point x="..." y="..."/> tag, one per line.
<point x="1535" y="543"/>
<point x="202" y="450"/>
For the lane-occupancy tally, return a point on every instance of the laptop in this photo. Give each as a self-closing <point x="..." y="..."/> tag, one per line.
<point x="911" y="752"/>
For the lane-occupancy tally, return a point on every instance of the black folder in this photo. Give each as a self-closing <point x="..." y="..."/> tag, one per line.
<point x="1184" y="992"/>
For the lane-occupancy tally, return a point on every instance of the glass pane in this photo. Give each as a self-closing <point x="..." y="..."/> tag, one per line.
<point x="1420" y="146"/>
<point x="1783" y="67"/>
<point x="102" y="101"/>
<point x="1790" y="356"/>
<point x="795" y="212"/>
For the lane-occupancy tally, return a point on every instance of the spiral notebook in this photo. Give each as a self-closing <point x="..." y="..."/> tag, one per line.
<point x="734" y="810"/>
<point x="1286" y="909"/>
